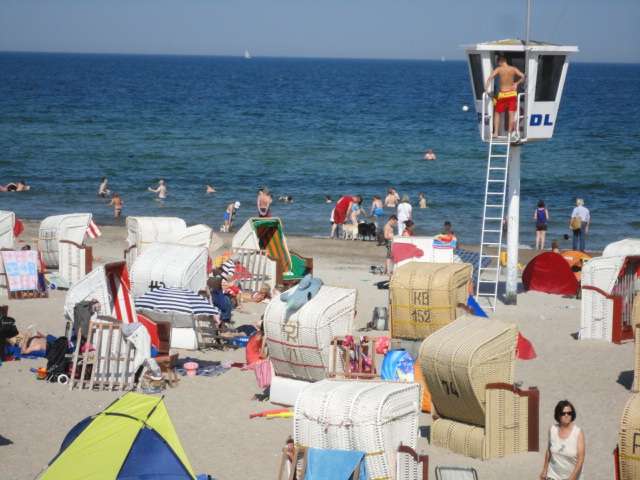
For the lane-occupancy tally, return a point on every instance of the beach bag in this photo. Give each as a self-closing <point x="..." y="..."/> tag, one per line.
<point x="262" y="369"/>
<point x="57" y="359"/>
<point x="576" y="223"/>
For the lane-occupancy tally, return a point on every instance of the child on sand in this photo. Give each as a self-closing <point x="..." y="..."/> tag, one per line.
<point x="117" y="203"/>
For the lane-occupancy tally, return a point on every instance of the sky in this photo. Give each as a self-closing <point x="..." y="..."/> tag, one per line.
<point x="605" y="30"/>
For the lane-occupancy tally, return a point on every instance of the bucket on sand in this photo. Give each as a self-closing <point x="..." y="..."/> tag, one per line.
<point x="191" y="368"/>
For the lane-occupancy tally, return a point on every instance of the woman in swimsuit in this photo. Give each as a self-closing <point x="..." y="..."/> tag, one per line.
<point x="377" y="210"/>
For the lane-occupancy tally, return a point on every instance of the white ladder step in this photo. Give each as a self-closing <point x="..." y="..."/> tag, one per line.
<point x="495" y="193"/>
<point x="491" y="244"/>
<point x="495" y="155"/>
<point x="497" y="180"/>
<point x="493" y="218"/>
<point x="493" y="206"/>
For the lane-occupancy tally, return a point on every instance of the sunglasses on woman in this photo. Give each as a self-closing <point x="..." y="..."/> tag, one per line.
<point x="566" y="413"/>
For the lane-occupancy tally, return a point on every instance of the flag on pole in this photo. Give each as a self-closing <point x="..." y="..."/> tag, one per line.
<point x="93" y="231"/>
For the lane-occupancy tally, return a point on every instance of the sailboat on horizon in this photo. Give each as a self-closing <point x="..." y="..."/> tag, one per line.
<point x="247" y="55"/>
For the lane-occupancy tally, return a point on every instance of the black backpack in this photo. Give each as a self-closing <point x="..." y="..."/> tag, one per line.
<point x="7" y="330"/>
<point x="57" y="362"/>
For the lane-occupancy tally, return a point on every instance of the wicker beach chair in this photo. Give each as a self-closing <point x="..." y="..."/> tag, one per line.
<point x="636" y="332"/>
<point x="300" y="343"/>
<point x="628" y="451"/>
<point x="369" y="416"/>
<point x="469" y="368"/>
<point x="424" y="297"/>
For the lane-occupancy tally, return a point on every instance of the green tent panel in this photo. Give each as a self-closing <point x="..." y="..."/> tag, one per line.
<point x="133" y="438"/>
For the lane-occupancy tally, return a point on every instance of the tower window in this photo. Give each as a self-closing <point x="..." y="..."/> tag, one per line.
<point x="548" y="79"/>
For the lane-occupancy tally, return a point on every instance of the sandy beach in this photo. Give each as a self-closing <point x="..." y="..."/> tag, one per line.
<point x="211" y="415"/>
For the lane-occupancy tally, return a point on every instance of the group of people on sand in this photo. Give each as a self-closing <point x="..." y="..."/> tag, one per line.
<point x="349" y="210"/>
<point x="579" y="223"/>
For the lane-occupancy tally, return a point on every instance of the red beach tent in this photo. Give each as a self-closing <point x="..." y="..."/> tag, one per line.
<point x="549" y="272"/>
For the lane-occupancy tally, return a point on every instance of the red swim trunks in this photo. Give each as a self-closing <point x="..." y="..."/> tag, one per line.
<point x="506" y="102"/>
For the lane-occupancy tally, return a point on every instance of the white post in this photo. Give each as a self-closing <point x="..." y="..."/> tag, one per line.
<point x="528" y="24"/>
<point x="513" y="226"/>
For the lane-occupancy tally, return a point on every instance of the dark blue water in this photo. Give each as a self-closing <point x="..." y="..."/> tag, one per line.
<point x="304" y="128"/>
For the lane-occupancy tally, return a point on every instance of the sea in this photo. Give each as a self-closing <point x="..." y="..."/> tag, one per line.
<point x="305" y="128"/>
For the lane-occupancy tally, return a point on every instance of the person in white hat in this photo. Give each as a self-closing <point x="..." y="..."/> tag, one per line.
<point x="229" y="215"/>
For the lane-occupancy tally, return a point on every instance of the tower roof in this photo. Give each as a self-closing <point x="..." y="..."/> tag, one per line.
<point x="517" y="45"/>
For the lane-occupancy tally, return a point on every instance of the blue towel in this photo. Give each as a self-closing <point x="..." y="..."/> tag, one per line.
<point x="475" y="307"/>
<point x="334" y="464"/>
<point x="397" y="365"/>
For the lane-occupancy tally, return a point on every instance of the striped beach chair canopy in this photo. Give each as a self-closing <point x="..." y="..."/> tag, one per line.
<point x="176" y="300"/>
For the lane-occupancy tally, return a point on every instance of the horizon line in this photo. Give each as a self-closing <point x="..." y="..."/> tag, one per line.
<point x="291" y="57"/>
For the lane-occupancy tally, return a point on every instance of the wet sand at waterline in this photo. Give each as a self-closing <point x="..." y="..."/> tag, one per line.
<point x="211" y="415"/>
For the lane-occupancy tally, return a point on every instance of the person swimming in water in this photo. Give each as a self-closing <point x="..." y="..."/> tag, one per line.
<point x="210" y="189"/>
<point x="19" y="186"/>
<point x="430" y="155"/>
<point x="103" y="189"/>
<point x="160" y="190"/>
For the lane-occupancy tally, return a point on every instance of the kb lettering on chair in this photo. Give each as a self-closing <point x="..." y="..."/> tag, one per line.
<point x="420" y="301"/>
<point x="155" y="284"/>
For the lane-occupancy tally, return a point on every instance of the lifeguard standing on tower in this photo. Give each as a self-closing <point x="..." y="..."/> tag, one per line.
<point x="507" y="98"/>
<point x="530" y="78"/>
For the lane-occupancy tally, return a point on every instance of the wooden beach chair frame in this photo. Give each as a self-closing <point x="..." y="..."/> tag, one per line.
<point x="101" y="376"/>
<point x="341" y="356"/>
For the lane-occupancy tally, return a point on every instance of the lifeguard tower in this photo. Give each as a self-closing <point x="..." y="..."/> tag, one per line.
<point x="538" y="100"/>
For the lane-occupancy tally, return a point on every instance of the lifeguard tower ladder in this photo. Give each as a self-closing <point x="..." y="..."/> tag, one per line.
<point x="538" y="99"/>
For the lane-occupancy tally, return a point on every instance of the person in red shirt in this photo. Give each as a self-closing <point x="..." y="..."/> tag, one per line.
<point x="254" y="346"/>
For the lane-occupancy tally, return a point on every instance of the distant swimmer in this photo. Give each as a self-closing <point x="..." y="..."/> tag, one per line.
<point x="327" y="199"/>
<point x="160" y="190"/>
<point x="430" y="155"/>
<point x="263" y="202"/>
<point x="103" y="189"/>
<point x="392" y="199"/>
<point x="286" y="198"/>
<point x="19" y="186"/>
<point x="422" y="200"/>
<point x="507" y="97"/>
<point x="117" y="203"/>
<point x="210" y="189"/>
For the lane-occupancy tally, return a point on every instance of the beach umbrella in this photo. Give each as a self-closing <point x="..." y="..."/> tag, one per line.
<point x="176" y="300"/>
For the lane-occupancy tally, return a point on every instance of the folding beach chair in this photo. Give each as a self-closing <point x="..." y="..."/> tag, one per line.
<point x="106" y="360"/>
<point x="456" y="473"/>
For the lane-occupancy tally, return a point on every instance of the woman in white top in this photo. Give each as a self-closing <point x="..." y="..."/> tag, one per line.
<point x="564" y="457"/>
<point x="404" y="213"/>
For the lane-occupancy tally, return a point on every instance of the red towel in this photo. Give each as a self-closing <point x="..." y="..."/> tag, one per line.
<point x="342" y="209"/>
<point x="524" y="349"/>
<point x="403" y="251"/>
<point x="18" y="228"/>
